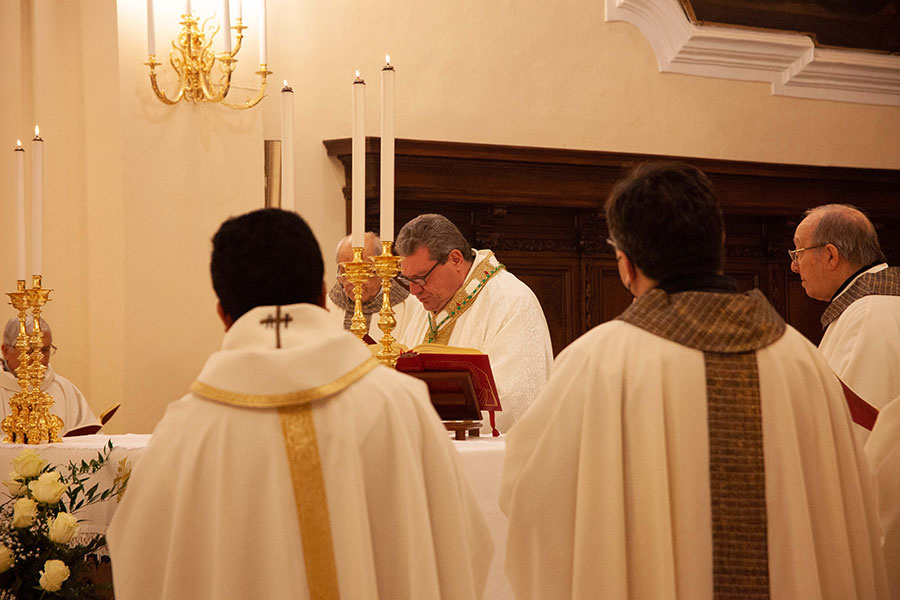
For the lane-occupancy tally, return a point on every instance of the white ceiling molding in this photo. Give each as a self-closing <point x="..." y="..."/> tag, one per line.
<point x="789" y="61"/>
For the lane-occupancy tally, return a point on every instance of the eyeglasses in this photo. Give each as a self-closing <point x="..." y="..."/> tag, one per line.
<point x="420" y="281"/>
<point x="794" y="253"/>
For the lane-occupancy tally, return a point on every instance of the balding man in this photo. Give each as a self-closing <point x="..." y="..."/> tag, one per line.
<point x="839" y="260"/>
<point x="69" y="403"/>
<point x="340" y="300"/>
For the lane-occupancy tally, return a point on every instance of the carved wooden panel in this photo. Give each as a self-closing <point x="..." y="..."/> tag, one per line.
<point x="541" y="211"/>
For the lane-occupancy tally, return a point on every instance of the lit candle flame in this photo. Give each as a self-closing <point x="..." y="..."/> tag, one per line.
<point x="387" y="59"/>
<point x="357" y="74"/>
<point x="19" y="143"/>
<point x="285" y="83"/>
<point x="37" y="131"/>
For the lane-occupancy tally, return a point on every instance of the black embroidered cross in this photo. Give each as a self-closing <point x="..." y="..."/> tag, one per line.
<point x="277" y="320"/>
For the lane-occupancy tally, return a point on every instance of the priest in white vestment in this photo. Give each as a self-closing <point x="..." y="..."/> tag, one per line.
<point x="69" y="404"/>
<point x="469" y="300"/>
<point x="883" y="452"/>
<point x="297" y="467"/>
<point x="341" y="303"/>
<point x="696" y="447"/>
<point x="840" y="261"/>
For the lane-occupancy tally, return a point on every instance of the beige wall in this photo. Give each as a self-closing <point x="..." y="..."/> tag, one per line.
<point x="135" y="188"/>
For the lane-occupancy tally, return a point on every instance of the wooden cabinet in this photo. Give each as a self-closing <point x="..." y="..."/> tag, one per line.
<point x="541" y="212"/>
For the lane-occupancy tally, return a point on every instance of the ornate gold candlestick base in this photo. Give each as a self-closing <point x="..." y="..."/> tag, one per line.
<point x="357" y="272"/>
<point x="30" y="420"/>
<point x="387" y="266"/>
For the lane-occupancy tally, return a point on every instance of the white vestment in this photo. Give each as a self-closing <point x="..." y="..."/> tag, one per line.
<point x="607" y="485"/>
<point x="403" y="313"/>
<point x="210" y="512"/>
<point x="883" y="452"/>
<point x="863" y="345"/>
<point x="506" y="323"/>
<point x="69" y="404"/>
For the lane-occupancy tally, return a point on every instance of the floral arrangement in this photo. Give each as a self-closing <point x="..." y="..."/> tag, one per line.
<point x="41" y="553"/>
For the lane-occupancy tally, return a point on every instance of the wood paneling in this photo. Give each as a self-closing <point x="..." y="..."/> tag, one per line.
<point x="541" y="211"/>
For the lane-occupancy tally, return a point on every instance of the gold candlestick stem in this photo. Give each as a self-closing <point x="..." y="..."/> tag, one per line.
<point x="387" y="266"/>
<point x="357" y="272"/>
<point x="14" y="423"/>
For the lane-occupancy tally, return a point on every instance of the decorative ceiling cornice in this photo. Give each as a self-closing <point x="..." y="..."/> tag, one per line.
<point x="790" y="61"/>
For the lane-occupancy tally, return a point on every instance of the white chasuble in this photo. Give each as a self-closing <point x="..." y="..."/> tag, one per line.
<point x="607" y="479"/>
<point x="883" y="452"/>
<point x="862" y="335"/>
<point x="224" y="503"/>
<point x="503" y="319"/>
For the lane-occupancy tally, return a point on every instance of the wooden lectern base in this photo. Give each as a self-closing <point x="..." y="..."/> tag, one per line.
<point x="460" y="428"/>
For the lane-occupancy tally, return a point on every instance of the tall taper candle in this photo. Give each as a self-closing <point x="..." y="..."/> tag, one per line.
<point x="20" y="210"/>
<point x="263" y="57"/>
<point x="387" y="150"/>
<point x="187" y="7"/>
<point x="226" y="25"/>
<point x="358" y="204"/>
<point x="37" y="202"/>
<point x="151" y="30"/>
<point x="287" y="147"/>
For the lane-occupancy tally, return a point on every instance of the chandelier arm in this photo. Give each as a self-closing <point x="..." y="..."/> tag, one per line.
<point x="210" y="93"/>
<point x="159" y="93"/>
<point x="263" y="73"/>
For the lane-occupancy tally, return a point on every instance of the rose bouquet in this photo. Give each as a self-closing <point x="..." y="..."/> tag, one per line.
<point x="42" y="554"/>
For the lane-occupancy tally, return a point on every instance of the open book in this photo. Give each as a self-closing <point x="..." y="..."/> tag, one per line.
<point x="460" y="381"/>
<point x="105" y="416"/>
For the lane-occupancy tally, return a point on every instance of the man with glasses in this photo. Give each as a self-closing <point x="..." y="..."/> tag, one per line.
<point x="695" y="446"/>
<point x="469" y="300"/>
<point x="840" y="261"/>
<point x="340" y="302"/>
<point x="69" y="403"/>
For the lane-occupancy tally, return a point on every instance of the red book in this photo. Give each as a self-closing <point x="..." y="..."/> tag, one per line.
<point x="861" y="411"/>
<point x="460" y="380"/>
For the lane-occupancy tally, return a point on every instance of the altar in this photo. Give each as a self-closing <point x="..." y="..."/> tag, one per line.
<point x="482" y="460"/>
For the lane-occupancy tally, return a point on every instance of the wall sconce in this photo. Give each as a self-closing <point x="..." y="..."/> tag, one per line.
<point x="205" y="75"/>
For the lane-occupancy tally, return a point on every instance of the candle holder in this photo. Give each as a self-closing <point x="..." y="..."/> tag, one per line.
<point x="387" y="266"/>
<point x="30" y="420"/>
<point x="358" y="272"/>
<point x="194" y="60"/>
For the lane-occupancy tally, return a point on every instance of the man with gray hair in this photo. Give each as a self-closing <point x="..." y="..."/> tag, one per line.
<point x="470" y="300"/>
<point x="69" y="403"/>
<point x="840" y="261"/>
<point x="340" y="302"/>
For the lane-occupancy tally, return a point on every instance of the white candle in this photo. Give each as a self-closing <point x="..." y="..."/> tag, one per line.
<point x="226" y="25"/>
<point x="151" y="31"/>
<point x="263" y="59"/>
<point x="287" y="147"/>
<point x="37" y="202"/>
<point x="20" y="210"/>
<point x="387" y="151"/>
<point x="187" y="7"/>
<point x="358" y="203"/>
<point x="238" y="13"/>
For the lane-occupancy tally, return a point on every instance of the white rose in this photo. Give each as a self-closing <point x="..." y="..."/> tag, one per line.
<point x="15" y="485"/>
<point x="63" y="527"/>
<point x="24" y="512"/>
<point x="28" y="463"/>
<point x="53" y="575"/>
<point x="7" y="559"/>
<point x="48" y="489"/>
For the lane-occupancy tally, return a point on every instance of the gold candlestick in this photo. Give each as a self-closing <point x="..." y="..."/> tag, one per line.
<point x="43" y="426"/>
<point x="387" y="266"/>
<point x="14" y="423"/>
<point x="357" y="272"/>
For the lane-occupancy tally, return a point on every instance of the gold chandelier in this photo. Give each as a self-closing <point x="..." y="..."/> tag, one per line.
<point x="204" y="75"/>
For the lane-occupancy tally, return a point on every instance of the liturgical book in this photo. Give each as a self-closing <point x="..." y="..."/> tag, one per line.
<point x="460" y="381"/>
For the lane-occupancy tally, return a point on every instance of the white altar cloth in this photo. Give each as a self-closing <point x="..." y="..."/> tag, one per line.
<point x="482" y="459"/>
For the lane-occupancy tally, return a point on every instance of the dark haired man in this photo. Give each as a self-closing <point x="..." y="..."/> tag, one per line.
<point x="696" y="446"/>
<point x="297" y="467"/>
<point x="469" y="299"/>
